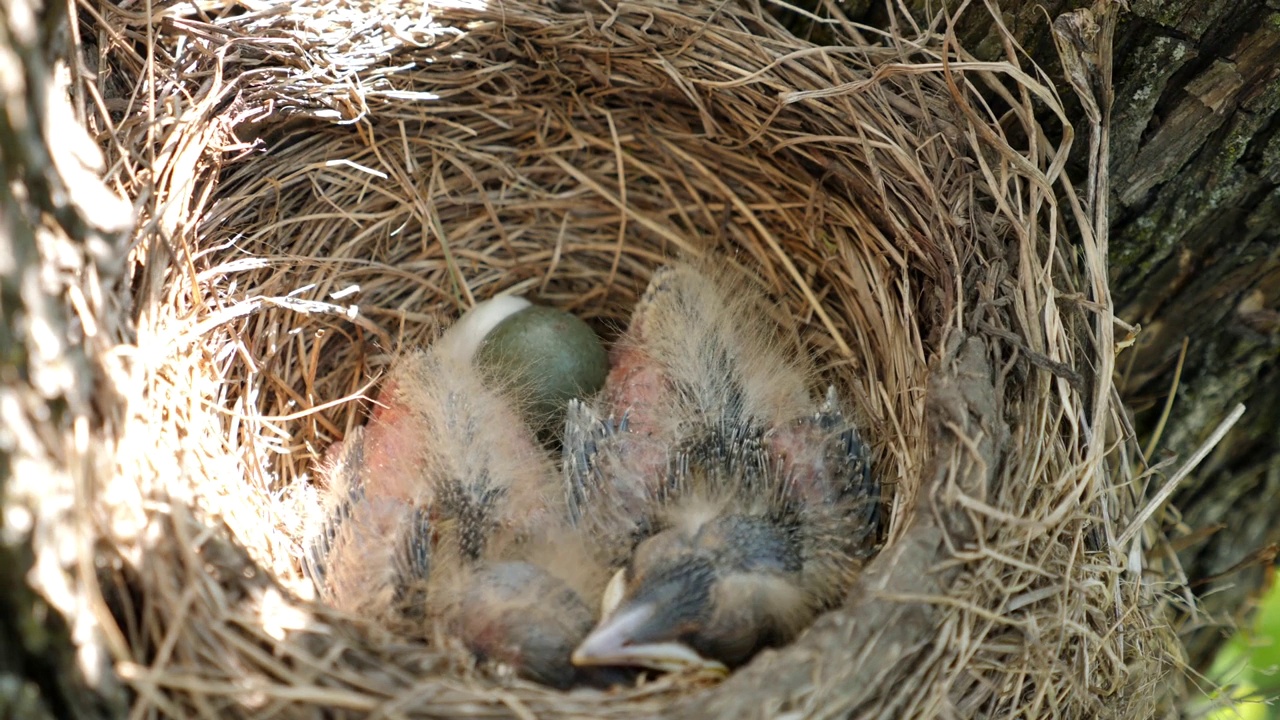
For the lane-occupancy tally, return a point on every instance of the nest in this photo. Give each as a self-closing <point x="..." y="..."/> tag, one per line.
<point x="322" y="184"/>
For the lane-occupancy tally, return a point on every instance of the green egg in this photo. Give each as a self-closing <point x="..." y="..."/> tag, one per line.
<point x="548" y="357"/>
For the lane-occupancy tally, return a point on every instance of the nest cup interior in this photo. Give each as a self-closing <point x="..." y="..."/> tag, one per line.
<point x="350" y="179"/>
<point x="356" y="241"/>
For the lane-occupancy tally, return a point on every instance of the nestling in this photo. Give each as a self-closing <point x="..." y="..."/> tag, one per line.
<point x="446" y="509"/>
<point x="738" y="505"/>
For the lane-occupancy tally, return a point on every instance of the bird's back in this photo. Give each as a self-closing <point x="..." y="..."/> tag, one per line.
<point x="745" y="502"/>
<point x="718" y="349"/>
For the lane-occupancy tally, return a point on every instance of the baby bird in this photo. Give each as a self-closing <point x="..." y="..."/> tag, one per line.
<point x="738" y="506"/>
<point x="445" y="509"/>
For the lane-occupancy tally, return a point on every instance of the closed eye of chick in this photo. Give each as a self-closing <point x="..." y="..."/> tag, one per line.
<point x="746" y="505"/>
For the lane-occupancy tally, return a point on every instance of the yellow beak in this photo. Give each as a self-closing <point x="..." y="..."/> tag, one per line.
<point x="610" y="644"/>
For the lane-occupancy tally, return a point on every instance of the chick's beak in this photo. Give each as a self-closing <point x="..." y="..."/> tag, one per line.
<point x="617" y="640"/>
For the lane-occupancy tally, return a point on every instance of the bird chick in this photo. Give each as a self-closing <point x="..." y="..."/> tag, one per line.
<point x="441" y="510"/>
<point x="741" y="505"/>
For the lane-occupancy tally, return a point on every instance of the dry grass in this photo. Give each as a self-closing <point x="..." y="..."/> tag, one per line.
<point x="323" y="183"/>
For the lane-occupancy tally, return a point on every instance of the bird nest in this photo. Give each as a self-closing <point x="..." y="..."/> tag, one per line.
<point x="323" y="184"/>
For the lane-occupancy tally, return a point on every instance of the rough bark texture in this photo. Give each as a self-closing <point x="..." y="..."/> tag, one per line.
<point x="1195" y="222"/>
<point x="1197" y="165"/>
<point x="48" y="199"/>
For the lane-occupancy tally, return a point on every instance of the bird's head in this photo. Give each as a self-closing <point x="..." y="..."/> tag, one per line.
<point x="519" y="614"/>
<point x="705" y="594"/>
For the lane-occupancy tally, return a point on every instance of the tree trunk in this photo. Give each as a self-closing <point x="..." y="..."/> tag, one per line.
<point x="1195" y="259"/>
<point x="51" y="200"/>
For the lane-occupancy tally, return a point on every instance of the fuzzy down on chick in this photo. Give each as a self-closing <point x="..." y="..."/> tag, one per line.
<point x="737" y="504"/>
<point x="445" y="509"/>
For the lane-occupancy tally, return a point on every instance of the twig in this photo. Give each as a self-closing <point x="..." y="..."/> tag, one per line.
<point x="1196" y="458"/>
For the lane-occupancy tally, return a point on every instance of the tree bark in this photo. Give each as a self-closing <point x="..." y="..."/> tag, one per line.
<point x="50" y="199"/>
<point x="1196" y="168"/>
